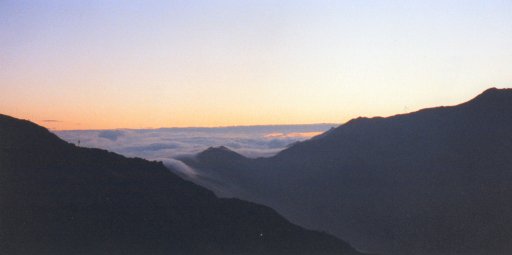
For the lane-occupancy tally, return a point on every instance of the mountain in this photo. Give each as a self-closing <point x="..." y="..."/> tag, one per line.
<point x="58" y="198"/>
<point x="435" y="181"/>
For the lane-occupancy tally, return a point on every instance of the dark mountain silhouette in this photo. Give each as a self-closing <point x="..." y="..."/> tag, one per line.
<point x="435" y="181"/>
<point x="57" y="198"/>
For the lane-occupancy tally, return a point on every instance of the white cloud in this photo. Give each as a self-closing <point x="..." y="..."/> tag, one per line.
<point x="168" y="143"/>
<point x="180" y="167"/>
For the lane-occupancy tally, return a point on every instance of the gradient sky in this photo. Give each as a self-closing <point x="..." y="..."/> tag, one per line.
<point x="139" y="64"/>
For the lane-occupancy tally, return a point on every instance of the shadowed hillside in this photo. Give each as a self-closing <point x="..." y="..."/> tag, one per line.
<point x="435" y="181"/>
<point x="57" y="198"/>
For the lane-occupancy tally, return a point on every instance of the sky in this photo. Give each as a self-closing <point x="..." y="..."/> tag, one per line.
<point x="150" y="64"/>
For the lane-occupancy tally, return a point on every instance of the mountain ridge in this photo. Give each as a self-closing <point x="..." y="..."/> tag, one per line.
<point x="58" y="198"/>
<point x="433" y="181"/>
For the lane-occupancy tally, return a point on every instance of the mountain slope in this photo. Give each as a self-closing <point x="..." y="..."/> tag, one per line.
<point x="436" y="181"/>
<point x="61" y="199"/>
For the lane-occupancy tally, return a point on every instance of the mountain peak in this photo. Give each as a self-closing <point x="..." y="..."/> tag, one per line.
<point x="493" y="92"/>
<point x="220" y="153"/>
<point x="25" y="135"/>
<point x="494" y="97"/>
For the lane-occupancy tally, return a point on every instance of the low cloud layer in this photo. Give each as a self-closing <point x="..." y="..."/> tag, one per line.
<point x="168" y="143"/>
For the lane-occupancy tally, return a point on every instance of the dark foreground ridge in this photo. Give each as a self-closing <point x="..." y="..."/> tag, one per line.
<point x="435" y="181"/>
<point x="57" y="198"/>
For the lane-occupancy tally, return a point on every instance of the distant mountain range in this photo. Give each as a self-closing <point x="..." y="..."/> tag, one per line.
<point x="435" y="181"/>
<point x="57" y="198"/>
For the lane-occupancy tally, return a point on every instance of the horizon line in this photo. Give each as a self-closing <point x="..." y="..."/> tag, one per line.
<point x="200" y="127"/>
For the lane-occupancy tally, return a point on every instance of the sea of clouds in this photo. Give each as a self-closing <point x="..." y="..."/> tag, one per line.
<point x="165" y="144"/>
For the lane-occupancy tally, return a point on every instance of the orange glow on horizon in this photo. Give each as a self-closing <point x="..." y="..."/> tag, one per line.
<point x="75" y="65"/>
<point x="293" y="135"/>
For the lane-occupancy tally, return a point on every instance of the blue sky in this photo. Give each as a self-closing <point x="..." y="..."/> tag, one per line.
<point x="138" y="64"/>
